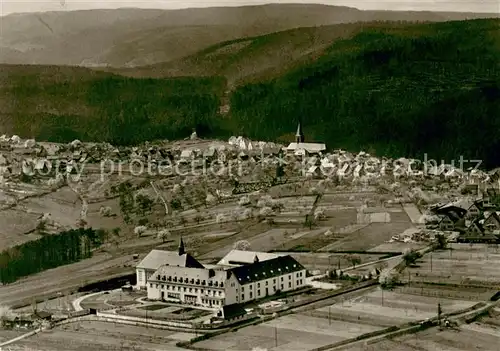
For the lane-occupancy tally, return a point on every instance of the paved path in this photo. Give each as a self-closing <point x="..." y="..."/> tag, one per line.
<point x="77" y="302"/>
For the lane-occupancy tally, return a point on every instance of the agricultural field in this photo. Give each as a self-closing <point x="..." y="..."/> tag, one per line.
<point x="64" y="278"/>
<point x="327" y="261"/>
<point x="482" y="335"/>
<point x="465" y="264"/>
<point x="369" y="236"/>
<point x="291" y="332"/>
<point x="102" y="336"/>
<point x="387" y="308"/>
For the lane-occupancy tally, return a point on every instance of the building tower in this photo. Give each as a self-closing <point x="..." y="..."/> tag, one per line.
<point x="182" y="250"/>
<point x="255" y="259"/>
<point x="299" y="136"/>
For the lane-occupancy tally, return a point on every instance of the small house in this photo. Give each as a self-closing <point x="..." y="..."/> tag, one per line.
<point x="492" y="222"/>
<point x="232" y="313"/>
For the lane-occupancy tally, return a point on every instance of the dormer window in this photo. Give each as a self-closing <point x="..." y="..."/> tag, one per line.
<point x="192" y="281"/>
<point x="163" y="278"/>
<point x="158" y="277"/>
<point x="210" y="283"/>
<point x="197" y="281"/>
<point x="203" y="282"/>
<point x="180" y="280"/>
<point x="169" y="278"/>
<point x="221" y="284"/>
<point x="175" y="279"/>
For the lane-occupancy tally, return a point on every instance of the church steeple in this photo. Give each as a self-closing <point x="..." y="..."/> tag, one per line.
<point x="182" y="250"/>
<point x="299" y="136"/>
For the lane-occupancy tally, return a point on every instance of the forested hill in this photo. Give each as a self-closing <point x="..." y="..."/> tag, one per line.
<point x="432" y="88"/>
<point x="400" y="90"/>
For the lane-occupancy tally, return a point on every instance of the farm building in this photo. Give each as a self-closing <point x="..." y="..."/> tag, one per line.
<point x="299" y="147"/>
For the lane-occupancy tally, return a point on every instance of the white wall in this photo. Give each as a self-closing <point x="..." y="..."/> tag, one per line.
<point x="267" y="287"/>
<point x="208" y="296"/>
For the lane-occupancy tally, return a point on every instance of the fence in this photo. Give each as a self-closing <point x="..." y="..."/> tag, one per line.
<point x="440" y="294"/>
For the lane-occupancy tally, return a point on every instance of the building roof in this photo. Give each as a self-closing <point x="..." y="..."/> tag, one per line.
<point x="233" y="311"/>
<point x="240" y="257"/>
<point x="266" y="269"/>
<point x="309" y="147"/>
<point x="157" y="258"/>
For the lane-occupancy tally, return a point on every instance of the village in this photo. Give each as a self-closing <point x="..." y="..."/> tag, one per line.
<point x="244" y="245"/>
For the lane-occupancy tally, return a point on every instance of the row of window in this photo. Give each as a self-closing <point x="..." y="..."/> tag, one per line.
<point x="212" y="302"/>
<point x="185" y="289"/>
<point x="299" y="274"/>
<point x="299" y="282"/>
<point x="190" y="281"/>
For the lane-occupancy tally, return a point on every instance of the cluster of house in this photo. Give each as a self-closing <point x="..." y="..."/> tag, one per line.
<point x="238" y="278"/>
<point x="476" y="220"/>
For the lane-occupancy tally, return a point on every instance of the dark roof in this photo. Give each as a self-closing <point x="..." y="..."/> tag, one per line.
<point x="232" y="311"/>
<point x="261" y="270"/>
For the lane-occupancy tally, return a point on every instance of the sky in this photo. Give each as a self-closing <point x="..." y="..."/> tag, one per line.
<point x="12" y="6"/>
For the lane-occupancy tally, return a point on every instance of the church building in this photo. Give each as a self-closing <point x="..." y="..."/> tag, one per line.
<point x="301" y="148"/>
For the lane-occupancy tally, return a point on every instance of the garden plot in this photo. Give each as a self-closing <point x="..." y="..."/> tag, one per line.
<point x="99" y="336"/>
<point x="165" y="312"/>
<point x="291" y="332"/>
<point x="473" y="264"/>
<point x="386" y="308"/>
<point x="369" y="237"/>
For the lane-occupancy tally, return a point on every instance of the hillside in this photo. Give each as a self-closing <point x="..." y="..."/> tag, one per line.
<point x="134" y="37"/>
<point x="65" y="103"/>
<point x="398" y="91"/>
<point x="395" y="90"/>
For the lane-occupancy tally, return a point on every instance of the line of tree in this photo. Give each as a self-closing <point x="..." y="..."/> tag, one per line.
<point x="48" y="252"/>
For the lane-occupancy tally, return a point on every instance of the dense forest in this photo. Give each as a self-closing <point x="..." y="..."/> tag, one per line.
<point x="404" y="90"/>
<point x="80" y="104"/>
<point x="48" y="252"/>
<point x="431" y="88"/>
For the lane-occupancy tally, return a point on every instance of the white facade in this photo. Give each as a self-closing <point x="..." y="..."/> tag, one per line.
<point x="215" y="288"/>
<point x="157" y="258"/>
<point x="196" y="286"/>
<point x="238" y="293"/>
